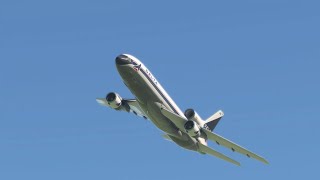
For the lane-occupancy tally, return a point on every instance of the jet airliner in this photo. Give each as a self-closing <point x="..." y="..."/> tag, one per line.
<point x="152" y="102"/>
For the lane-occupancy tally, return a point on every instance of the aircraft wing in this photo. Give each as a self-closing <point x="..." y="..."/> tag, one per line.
<point x="176" y="119"/>
<point x="133" y="105"/>
<point x="180" y="121"/>
<point x="234" y="147"/>
<point x="205" y="149"/>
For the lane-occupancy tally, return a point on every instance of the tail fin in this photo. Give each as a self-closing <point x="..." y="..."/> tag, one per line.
<point x="213" y="120"/>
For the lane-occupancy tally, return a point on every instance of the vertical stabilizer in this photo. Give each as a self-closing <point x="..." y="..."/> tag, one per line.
<point x="213" y="120"/>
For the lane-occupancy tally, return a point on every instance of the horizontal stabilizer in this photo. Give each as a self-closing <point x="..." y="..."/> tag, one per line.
<point x="208" y="150"/>
<point x="231" y="145"/>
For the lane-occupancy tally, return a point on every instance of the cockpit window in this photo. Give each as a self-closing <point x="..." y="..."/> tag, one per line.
<point x="133" y="62"/>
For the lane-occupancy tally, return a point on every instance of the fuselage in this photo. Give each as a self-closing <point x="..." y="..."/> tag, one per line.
<point x="151" y="96"/>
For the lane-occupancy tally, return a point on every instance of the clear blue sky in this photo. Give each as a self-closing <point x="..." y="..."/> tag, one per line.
<point x="259" y="61"/>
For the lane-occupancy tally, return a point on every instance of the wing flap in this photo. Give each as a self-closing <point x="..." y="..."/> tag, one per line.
<point x="135" y="107"/>
<point x="234" y="147"/>
<point x="208" y="150"/>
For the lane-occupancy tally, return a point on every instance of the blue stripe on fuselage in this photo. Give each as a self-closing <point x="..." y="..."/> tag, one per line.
<point x="158" y="90"/>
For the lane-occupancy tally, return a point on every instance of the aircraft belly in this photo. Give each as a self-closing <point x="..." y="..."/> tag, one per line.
<point x="190" y="144"/>
<point x="162" y="122"/>
<point x="150" y="102"/>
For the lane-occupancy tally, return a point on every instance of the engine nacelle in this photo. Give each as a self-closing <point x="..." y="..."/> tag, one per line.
<point x="114" y="100"/>
<point x="192" y="115"/>
<point x="192" y="128"/>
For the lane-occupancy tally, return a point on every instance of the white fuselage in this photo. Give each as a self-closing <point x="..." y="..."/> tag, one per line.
<point x="151" y="96"/>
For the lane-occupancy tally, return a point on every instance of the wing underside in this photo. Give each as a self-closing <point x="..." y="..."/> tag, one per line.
<point x="208" y="150"/>
<point x="233" y="146"/>
<point x="180" y="121"/>
<point x="133" y="105"/>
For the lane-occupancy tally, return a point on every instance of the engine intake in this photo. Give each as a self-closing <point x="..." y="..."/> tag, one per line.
<point x="192" y="115"/>
<point x="114" y="100"/>
<point x="192" y="128"/>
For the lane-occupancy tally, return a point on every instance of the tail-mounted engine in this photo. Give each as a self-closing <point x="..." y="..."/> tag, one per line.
<point x="114" y="100"/>
<point x="193" y="116"/>
<point x="192" y="128"/>
<point x="194" y="124"/>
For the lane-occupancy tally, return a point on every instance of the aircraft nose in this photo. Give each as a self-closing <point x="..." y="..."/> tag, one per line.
<point x="122" y="60"/>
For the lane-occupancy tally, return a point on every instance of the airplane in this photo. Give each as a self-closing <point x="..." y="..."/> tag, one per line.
<point x="152" y="102"/>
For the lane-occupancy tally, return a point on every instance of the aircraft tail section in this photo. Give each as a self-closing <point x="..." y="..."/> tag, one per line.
<point x="213" y="120"/>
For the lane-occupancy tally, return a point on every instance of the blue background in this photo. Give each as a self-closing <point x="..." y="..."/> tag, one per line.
<point x="258" y="61"/>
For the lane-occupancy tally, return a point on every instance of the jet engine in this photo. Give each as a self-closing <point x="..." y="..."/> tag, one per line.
<point x="192" y="128"/>
<point x="192" y="115"/>
<point x="114" y="100"/>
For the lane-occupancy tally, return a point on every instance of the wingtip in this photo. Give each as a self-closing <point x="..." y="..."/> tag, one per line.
<point x="234" y="162"/>
<point x="101" y="101"/>
<point x="265" y="162"/>
<point x="261" y="159"/>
